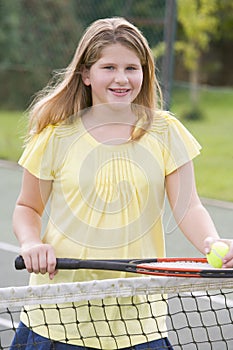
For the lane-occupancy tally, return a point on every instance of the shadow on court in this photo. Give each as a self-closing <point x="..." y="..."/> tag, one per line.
<point x="177" y="245"/>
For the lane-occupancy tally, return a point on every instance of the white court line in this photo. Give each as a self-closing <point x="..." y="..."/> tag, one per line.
<point x="217" y="203"/>
<point x="13" y="249"/>
<point x="9" y="247"/>
<point x="9" y="164"/>
<point x="8" y="324"/>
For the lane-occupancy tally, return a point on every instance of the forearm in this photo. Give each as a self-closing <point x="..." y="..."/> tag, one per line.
<point x="189" y="213"/>
<point x="38" y="256"/>
<point x="197" y="226"/>
<point x="26" y="226"/>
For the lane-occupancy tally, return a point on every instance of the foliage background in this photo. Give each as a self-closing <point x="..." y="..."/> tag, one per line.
<point x="38" y="37"/>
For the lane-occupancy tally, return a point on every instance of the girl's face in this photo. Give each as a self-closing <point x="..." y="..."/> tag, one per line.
<point x="116" y="77"/>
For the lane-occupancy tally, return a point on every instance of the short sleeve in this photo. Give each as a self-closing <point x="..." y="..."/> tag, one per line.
<point x="179" y="145"/>
<point x="38" y="156"/>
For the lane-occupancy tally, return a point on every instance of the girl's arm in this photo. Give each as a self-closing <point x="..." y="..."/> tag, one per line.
<point x="38" y="257"/>
<point x="189" y="213"/>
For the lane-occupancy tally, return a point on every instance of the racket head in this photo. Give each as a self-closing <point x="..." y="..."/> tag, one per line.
<point x="184" y="267"/>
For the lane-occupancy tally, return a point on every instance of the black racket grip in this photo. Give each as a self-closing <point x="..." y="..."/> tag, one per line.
<point x="74" y="264"/>
<point x="19" y="263"/>
<point x="62" y="263"/>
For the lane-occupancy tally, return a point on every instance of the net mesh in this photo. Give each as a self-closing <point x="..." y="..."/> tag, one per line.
<point x="119" y="313"/>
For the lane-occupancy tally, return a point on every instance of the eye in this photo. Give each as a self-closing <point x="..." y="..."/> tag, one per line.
<point x="131" y="68"/>
<point x="108" y="67"/>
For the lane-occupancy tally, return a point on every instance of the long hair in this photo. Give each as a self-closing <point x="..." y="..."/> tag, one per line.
<point x="67" y="95"/>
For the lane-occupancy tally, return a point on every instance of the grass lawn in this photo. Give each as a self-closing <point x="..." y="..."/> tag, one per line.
<point x="214" y="167"/>
<point x="12" y="130"/>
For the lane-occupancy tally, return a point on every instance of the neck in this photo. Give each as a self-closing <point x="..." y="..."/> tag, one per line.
<point x="108" y="114"/>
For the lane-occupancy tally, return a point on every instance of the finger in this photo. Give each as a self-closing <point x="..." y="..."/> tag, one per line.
<point x="28" y="262"/>
<point x="42" y="263"/>
<point x="31" y="258"/>
<point x="51" y="275"/>
<point x="51" y="261"/>
<point x="47" y="259"/>
<point x="208" y="243"/>
<point x="228" y="258"/>
<point x="51" y="265"/>
<point x="227" y="263"/>
<point x="35" y="263"/>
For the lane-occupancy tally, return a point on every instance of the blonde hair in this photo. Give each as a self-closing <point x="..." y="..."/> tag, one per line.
<point x="69" y="95"/>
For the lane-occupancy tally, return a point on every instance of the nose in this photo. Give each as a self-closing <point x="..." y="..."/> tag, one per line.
<point x="121" y="77"/>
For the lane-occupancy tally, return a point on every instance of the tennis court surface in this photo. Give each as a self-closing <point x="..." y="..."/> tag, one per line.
<point x="200" y="313"/>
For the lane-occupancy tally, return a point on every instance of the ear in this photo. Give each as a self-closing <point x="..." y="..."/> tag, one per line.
<point x="86" y="76"/>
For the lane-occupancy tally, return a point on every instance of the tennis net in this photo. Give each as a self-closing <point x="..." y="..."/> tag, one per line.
<point x="198" y="312"/>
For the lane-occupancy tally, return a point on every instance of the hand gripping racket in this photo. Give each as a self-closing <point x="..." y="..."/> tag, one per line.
<point x="178" y="267"/>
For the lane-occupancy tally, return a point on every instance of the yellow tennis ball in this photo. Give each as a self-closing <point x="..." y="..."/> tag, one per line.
<point x="217" y="253"/>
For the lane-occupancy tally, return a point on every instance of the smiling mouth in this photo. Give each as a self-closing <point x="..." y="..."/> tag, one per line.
<point x="120" y="91"/>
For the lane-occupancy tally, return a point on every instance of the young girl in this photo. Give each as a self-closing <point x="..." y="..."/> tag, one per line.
<point x="105" y="154"/>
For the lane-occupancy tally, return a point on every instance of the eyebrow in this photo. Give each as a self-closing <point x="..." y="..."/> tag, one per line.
<point x="109" y="63"/>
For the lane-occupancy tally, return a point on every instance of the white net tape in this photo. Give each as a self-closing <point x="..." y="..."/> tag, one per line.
<point x="122" y="287"/>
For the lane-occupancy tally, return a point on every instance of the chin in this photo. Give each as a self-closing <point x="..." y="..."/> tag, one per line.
<point x="119" y="105"/>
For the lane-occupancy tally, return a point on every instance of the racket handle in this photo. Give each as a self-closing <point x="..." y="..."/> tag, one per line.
<point x="73" y="264"/>
<point x="62" y="263"/>
<point x="19" y="263"/>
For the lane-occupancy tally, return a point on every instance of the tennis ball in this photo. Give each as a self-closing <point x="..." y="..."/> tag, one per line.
<point x="217" y="253"/>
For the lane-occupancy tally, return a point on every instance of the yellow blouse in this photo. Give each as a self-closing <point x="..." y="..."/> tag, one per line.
<point x="107" y="201"/>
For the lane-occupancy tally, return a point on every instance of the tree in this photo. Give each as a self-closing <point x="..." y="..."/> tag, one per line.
<point x="36" y="37"/>
<point x="199" y="24"/>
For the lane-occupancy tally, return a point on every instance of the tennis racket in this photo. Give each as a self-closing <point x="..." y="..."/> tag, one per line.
<point x="178" y="267"/>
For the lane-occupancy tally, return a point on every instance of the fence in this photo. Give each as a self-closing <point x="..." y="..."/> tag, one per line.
<point x="38" y="37"/>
